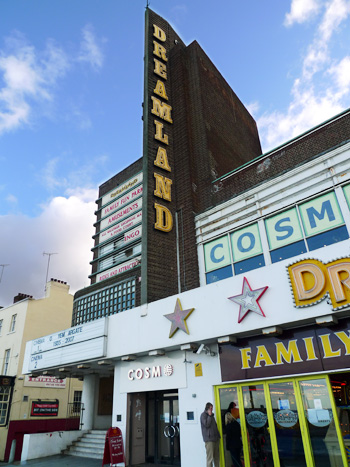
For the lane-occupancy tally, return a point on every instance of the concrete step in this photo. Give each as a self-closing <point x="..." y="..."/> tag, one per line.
<point x="91" y="444"/>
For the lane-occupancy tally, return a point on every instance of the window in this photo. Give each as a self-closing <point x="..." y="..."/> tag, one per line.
<point x="242" y="247"/>
<point x="5" y="366"/>
<point x="1" y="322"/>
<point x="310" y="225"/>
<point x="114" y="299"/>
<point x="13" y="323"/>
<point x="5" y="393"/>
<point x="305" y="227"/>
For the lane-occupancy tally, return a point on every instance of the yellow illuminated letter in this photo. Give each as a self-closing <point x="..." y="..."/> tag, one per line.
<point x="159" y="33"/>
<point x="310" y="349"/>
<point x="334" y="272"/>
<point x="164" y="219"/>
<point x="327" y="348"/>
<point x="160" y="90"/>
<point x="159" y="133"/>
<point x="163" y="187"/>
<point x="245" y="357"/>
<point x="292" y="353"/>
<point x="161" y="109"/>
<point x="262" y="355"/>
<point x="161" y="159"/>
<point x="309" y="282"/>
<point x="159" y="50"/>
<point x="345" y="340"/>
<point x="160" y="69"/>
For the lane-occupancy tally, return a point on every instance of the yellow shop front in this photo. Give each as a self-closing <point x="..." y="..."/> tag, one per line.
<point x="291" y="398"/>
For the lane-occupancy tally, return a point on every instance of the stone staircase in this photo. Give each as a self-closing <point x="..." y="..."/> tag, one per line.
<point x="91" y="444"/>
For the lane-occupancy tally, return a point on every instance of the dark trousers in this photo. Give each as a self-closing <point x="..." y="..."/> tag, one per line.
<point x="236" y="457"/>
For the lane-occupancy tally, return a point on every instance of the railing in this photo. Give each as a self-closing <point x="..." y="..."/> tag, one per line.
<point x="75" y="410"/>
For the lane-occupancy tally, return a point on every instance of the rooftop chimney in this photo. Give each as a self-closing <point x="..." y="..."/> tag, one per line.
<point x="21" y="296"/>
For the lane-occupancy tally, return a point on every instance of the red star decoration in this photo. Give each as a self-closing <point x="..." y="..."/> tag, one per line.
<point x="248" y="300"/>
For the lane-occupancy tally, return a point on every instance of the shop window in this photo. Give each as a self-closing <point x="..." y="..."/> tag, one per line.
<point x="219" y="274"/>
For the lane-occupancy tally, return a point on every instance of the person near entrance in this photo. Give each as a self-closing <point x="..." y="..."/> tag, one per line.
<point x="233" y="435"/>
<point x="211" y="436"/>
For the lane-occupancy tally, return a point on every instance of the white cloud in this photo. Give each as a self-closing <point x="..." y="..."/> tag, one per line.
<point x="11" y="199"/>
<point x="65" y="226"/>
<point x="90" y="50"/>
<point x="27" y="77"/>
<point x="341" y="74"/>
<point x="301" y="11"/>
<point x="83" y="175"/>
<point x="323" y="88"/>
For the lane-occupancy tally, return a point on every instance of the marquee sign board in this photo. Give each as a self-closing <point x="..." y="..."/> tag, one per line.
<point x="71" y="345"/>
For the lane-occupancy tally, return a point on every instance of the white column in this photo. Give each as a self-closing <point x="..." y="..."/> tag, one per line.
<point x="88" y="399"/>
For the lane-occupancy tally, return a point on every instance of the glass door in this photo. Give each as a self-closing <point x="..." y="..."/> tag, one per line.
<point x="168" y="430"/>
<point x="321" y="426"/>
<point x="290" y="423"/>
<point x="287" y="424"/>
<point x="258" y="426"/>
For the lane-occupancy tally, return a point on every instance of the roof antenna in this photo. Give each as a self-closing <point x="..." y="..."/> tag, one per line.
<point x="48" y="264"/>
<point x="2" y="270"/>
<point x="147" y="4"/>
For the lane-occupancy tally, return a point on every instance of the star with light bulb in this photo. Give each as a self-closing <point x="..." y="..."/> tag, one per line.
<point x="248" y="300"/>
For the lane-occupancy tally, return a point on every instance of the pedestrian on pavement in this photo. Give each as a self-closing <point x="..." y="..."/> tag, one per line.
<point x="233" y="436"/>
<point x="211" y="436"/>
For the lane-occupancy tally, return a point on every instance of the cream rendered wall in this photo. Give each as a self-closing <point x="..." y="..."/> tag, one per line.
<point x="35" y="318"/>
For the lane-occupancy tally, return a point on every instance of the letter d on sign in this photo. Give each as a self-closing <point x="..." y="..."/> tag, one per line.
<point x="164" y="219"/>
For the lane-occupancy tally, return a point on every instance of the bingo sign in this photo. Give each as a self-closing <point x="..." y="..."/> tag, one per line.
<point x="114" y="450"/>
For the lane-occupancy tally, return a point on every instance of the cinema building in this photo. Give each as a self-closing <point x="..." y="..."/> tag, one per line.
<point x="218" y="274"/>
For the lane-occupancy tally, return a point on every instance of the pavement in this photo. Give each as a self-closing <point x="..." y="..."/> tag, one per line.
<point x="59" y="461"/>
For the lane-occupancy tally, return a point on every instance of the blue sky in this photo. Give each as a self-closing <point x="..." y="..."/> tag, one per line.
<point x="71" y="89"/>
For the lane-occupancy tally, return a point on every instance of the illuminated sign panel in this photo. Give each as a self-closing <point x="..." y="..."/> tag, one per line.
<point x="121" y="214"/>
<point x="302" y="223"/>
<point x="161" y="110"/>
<point x="122" y="189"/>
<point x="122" y="201"/>
<point x="69" y="345"/>
<point x="121" y="227"/>
<point x="118" y="269"/>
<point x="303" y="350"/>
<point x="313" y="281"/>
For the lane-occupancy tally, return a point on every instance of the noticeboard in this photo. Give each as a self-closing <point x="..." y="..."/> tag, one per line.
<point x="114" y="450"/>
<point x="44" y="408"/>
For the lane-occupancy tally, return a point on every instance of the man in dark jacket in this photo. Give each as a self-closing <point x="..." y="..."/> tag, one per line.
<point x="211" y="436"/>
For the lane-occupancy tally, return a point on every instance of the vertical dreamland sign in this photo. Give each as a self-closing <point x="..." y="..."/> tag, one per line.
<point x="158" y="232"/>
<point x="114" y="449"/>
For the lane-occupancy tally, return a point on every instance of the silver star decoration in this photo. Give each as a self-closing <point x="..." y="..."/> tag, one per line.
<point x="248" y="300"/>
<point x="178" y="319"/>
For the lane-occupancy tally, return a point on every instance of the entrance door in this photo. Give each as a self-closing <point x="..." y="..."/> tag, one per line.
<point x="289" y="423"/>
<point x="163" y="428"/>
<point x="168" y="430"/>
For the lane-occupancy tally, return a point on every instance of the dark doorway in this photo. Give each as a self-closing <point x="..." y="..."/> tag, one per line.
<point x="162" y="441"/>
